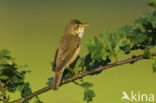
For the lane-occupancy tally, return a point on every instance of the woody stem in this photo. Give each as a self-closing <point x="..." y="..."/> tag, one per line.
<point x="3" y="91"/>
<point x="71" y="79"/>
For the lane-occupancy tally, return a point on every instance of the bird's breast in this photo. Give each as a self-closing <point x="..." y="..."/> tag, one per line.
<point x="81" y="32"/>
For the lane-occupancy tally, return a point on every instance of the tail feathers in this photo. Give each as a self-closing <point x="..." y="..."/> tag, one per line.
<point x="57" y="79"/>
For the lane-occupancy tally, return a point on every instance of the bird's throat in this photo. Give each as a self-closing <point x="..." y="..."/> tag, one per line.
<point x="81" y="34"/>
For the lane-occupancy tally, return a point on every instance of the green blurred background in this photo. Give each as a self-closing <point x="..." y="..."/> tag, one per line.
<point x="31" y="30"/>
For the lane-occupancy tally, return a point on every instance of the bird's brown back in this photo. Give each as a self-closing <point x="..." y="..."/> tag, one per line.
<point x="68" y="45"/>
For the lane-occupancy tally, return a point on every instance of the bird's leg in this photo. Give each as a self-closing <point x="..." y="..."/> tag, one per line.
<point x="76" y="74"/>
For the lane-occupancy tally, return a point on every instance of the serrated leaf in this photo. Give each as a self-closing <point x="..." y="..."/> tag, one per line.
<point x="1" y="70"/>
<point x="4" y="52"/>
<point x="88" y="95"/>
<point x="139" y="23"/>
<point x="15" y="79"/>
<point x="126" y="48"/>
<point x="154" y="65"/>
<point x="26" y="71"/>
<point x="4" y="77"/>
<point x="19" y="74"/>
<point x="126" y="30"/>
<point x="1" y="95"/>
<point x="50" y="80"/>
<point x="25" y="66"/>
<point x="154" y="24"/>
<point x="147" y="54"/>
<point x="152" y="3"/>
<point x="118" y="42"/>
<point x="154" y="13"/>
<point x="20" y="88"/>
<point x="86" y="60"/>
<point x="26" y="91"/>
<point x="152" y="20"/>
<point x="95" y="47"/>
<point x="86" y="85"/>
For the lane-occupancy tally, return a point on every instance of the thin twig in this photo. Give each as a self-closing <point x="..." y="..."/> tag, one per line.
<point x="65" y="81"/>
<point x="76" y="83"/>
<point x="115" y="56"/>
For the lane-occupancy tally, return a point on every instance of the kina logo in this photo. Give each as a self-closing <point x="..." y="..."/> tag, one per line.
<point x="138" y="97"/>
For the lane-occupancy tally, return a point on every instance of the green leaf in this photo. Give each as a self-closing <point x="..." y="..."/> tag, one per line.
<point x="1" y="95"/>
<point x="126" y="30"/>
<point x="25" y="66"/>
<point x="152" y="19"/>
<point x="139" y="23"/>
<point x="26" y="71"/>
<point x="1" y="70"/>
<point x="90" y="44"/>
<point x="154" y="24"/>
<point x="85" y="62"/>
<point x="86" y="85"/>
<point x="15" y="79"/>
<point x="152" y="3"/>
<point x="88" y="95"/>
<point x="13" y="74"/>
<point x="154" y="65"/>
<point x="26" y="91"/>
<point x="20" y="88"/>
<point x="50" y="80"/>
<point x="147" y="54"/>
<point x="95" y="47"/>
<point x="118" y="42"/>
<point x="4" y="77"/>
<point x="4" y="52"/>
<point x="112" y="42"/>
<point x="36" y="100"/>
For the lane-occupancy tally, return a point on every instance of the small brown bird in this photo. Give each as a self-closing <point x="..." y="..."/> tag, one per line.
<point x="68" y="49"/>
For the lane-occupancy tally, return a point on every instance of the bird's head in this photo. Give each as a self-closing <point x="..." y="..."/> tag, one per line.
<point x="75" y="27"/>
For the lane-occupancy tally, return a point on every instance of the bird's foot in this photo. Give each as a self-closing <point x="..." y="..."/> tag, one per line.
<point x="76" y="74"/>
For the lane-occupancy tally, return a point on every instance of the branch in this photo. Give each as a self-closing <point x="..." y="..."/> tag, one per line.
<point x="3" y="91"/>
<point x="65" y="81"/>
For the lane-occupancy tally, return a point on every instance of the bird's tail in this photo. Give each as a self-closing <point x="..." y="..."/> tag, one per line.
<point x="57" y="79"/>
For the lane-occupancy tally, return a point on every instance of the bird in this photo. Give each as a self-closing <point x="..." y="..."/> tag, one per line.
<point x="68" y="49"/>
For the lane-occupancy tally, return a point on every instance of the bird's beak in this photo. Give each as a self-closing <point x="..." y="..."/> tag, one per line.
<point x="84" y="25"/>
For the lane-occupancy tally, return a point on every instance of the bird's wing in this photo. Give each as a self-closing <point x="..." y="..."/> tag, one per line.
<point x="54" y="64"/>
<point x="67" y="47"/>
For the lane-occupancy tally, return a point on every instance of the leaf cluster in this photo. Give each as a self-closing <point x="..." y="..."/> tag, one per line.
<point x="13" y="75"/>
<point x="139" y="36"/>
<point x="107" y="45"/>
<point x="88" y="93"/>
